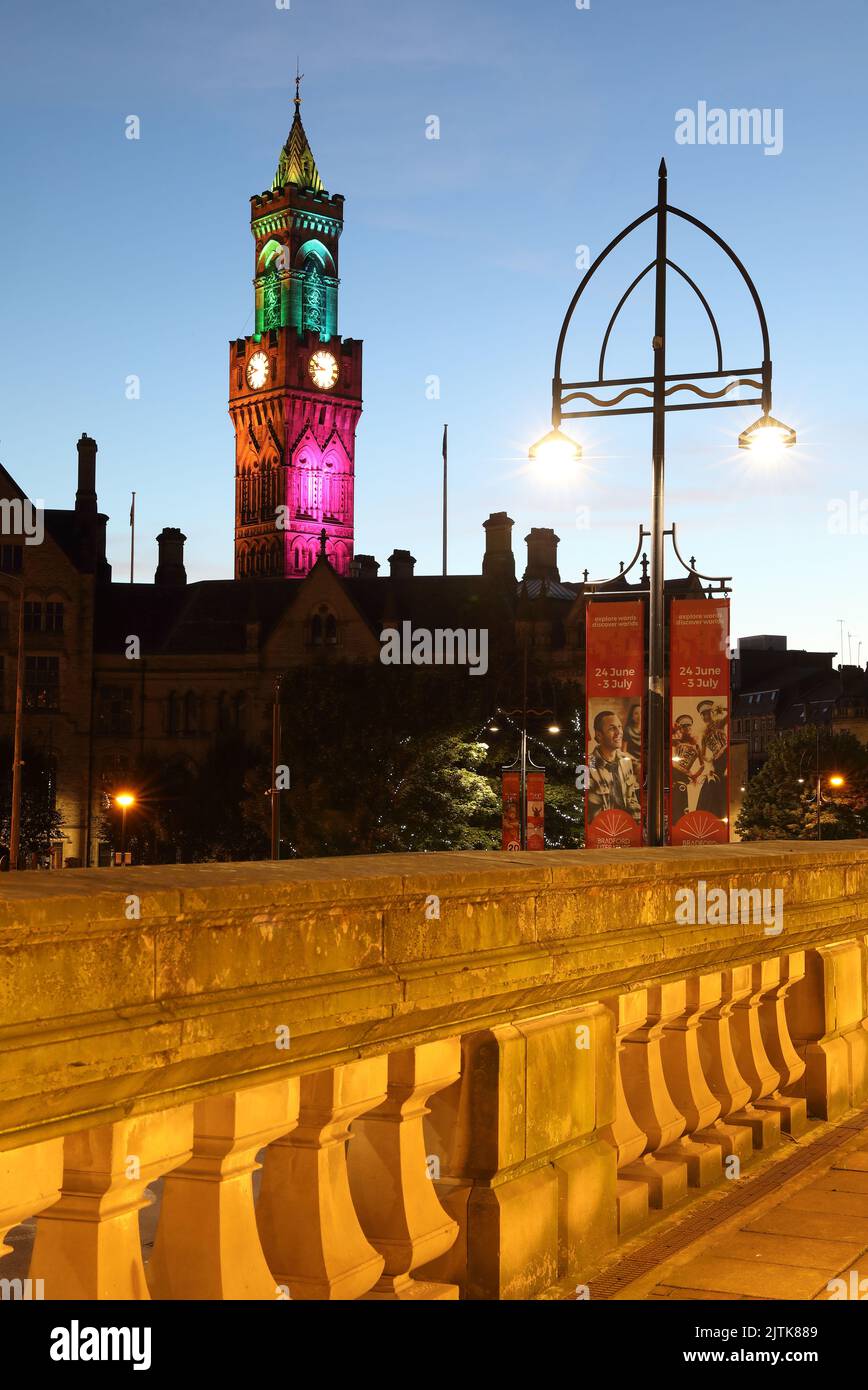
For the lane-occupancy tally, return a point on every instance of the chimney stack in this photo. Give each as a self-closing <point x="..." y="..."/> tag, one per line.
<point x="498" y="562"/>
<point x="363" y="567"/>
<point x="85" y="497"/>
<point x="401" y="564"/>
<point x="542" y="554"/>
<point x="170" y="562"/>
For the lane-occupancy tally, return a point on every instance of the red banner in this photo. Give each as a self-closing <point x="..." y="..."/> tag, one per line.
<point x="699" y="721"/>
<point x="536" y="795"/>
<point x="510" y="837"/>
<point x="614" y="678"/>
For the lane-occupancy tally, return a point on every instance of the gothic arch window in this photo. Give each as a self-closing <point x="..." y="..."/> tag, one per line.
<point x="331" y="630"/>
<point x="316" y="630"/>
<point x="271" y="300"/>
<point x="312" y="297"/>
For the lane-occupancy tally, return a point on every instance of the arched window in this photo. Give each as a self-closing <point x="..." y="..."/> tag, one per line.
<point x="316" y="630"/>
<point x="312" y="297"/>
<point x="331" y="630"/>
<point x="271" y="300"/>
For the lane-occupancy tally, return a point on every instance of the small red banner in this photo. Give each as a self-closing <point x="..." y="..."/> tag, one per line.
<point x="511" y="826"/>
<point x="614" y="677"/>
<point x="536" y="796"/>
<point x="699" y="721"/>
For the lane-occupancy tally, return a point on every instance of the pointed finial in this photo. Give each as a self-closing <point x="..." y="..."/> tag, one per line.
<point x="322" y="542"/>
<point x="661" y="172"/>
<point x="298" y="77"/>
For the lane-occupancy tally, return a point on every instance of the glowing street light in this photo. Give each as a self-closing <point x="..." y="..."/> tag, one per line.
<point x="767" y="438"/>
<point x="658" y="393"/>
<point x="555" y="450"/>
<point x="836" y="781"/>
<point x="124" y="800"/>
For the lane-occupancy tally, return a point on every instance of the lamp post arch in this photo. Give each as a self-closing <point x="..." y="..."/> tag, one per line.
<point x="658" y="390"/>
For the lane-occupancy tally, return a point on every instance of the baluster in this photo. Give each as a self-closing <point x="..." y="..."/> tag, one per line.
<point x="307" y="1223"/>
<point x="769" y="982"/>
<point x="88" y="1244"/>
<point x="30" y="1180"/>
<point x="207" y="1243"/>
<point x="393" y="1192"/>
<point x="644" y="1113"/>
<point x="721" y="1068"/>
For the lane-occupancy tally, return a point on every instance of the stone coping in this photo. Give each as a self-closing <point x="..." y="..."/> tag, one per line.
<point x="104" y="1013"/>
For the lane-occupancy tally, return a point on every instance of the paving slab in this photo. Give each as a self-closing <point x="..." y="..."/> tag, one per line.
<point x="803" y="1252"/>
<point x="821" y="1225"/>
<point x="741" y="1276"/>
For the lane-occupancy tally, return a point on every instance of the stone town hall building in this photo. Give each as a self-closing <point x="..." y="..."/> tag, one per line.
<point x="209" y="653"/>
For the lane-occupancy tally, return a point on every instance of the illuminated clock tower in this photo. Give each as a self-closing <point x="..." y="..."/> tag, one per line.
<point x="295" y="386"/>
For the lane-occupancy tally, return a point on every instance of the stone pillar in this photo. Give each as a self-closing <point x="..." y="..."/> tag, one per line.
<point x="390" y="1181"/>
<point x="527" y="1172"/>
<point x="88" y="1245"/>
<point x="30" y="1180"/>
<point x="207" y="1244"/>
<point x="307" y="1223"/>
<point x="826" y="1015"/>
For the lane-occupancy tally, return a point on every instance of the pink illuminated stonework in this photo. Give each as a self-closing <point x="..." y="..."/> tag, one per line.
<point x="295" y="386"/>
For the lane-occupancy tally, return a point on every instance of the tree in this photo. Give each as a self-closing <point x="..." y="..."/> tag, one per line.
<point x="41" y="821"/>
<point x="778" y="806"/>
<point x="185" y="814"/>
<point x="383" y="758"/>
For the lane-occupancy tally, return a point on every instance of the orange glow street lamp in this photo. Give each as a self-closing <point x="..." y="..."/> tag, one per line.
<point x="124" y="800"/>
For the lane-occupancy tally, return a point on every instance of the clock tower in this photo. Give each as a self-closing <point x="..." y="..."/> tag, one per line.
<point x="295" y="386"/>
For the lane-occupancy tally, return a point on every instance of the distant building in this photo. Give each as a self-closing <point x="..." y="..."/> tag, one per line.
<point x="777" y="689"/>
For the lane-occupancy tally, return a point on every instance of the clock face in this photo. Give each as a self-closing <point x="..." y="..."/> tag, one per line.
<point x="257" y="371"/>
<point x="323" y="370"/>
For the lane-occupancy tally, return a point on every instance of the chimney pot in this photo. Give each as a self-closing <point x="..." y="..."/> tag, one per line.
<point x="498" y="561"/>
<point x="170" y="562"/>
<point x="542" y="554"/>
<point x="401" y="564"/>
<point x="363" y="567"/>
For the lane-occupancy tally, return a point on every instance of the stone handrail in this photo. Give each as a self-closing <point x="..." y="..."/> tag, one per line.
<point x="529" y="1053"/>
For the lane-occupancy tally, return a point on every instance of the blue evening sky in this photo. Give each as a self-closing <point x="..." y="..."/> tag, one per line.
<point x="458" y="260"/>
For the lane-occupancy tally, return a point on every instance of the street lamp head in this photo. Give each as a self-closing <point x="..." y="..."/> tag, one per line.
<point x="554" y="728"/>
<point x="125" y="800"/>
<point x="767" y="438"/>
<point x="555" y="450"/>
<point x="836" y="781"/>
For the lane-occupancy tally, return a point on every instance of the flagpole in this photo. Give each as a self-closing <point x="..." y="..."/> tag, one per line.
<point x="445" y="480"/>
<point x="132" y="538"/>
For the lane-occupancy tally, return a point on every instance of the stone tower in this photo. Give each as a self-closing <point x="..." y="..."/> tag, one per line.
<point x="295" y="386"/>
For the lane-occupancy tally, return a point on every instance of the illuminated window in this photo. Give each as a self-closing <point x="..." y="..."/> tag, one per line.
<point x="271" y="300"/>
<point x="312" y="298"/>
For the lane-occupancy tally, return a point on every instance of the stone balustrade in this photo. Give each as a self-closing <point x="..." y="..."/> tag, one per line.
<point x="407" y="1077"/>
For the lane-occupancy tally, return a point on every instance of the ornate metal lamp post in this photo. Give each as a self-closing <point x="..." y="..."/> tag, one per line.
<point x="765" y="436"/>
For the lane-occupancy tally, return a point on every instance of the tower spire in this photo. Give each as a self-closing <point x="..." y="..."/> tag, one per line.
<point x="297" y="165"/>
